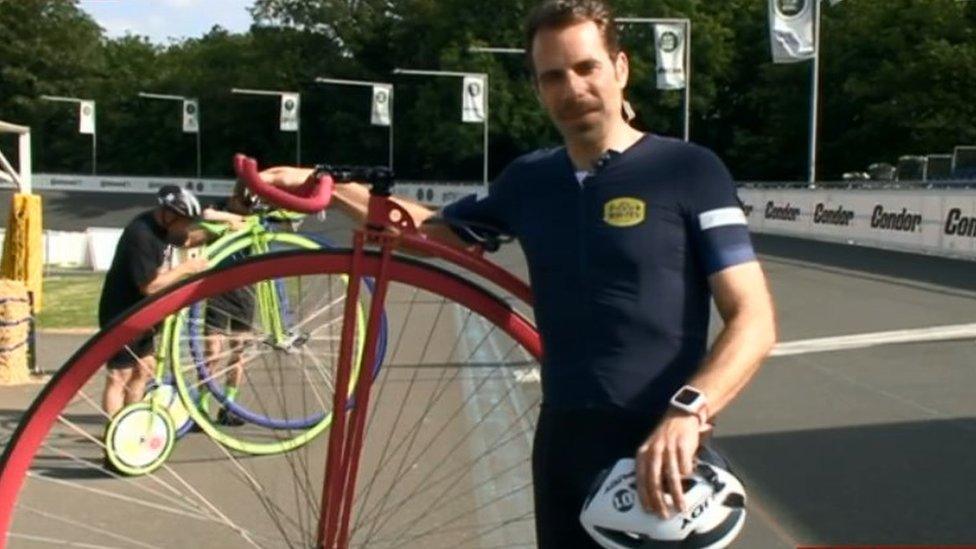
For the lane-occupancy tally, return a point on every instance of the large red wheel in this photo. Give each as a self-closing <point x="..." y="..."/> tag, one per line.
<point x="430" y="416"/>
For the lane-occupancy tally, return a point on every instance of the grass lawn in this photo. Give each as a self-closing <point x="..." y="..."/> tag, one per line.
<point x="71" y="301"/>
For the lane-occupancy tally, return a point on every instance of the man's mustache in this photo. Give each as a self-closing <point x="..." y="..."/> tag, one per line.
<point x="574" y="109"/>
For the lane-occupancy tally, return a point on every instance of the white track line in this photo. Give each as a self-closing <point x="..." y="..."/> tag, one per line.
<point x="874" y="339"/>
<point x="839" y="343"/>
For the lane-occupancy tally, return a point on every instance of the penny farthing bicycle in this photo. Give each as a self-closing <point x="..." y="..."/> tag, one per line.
<point x="430" y="450"/>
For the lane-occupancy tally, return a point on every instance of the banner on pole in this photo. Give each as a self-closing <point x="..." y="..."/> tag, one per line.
<point x="86" y="117"/>
<point x="669" y="41"/>
<point x="289" y="112"/>
<point x="791" y="30"/>
<point x="191" y="116"/>
<point x="473" y="100"/>
<point x="382" y="104"/>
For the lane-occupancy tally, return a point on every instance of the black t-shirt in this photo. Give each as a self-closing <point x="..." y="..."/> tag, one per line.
<point x="141" y="251"/>
<point x="619" y="264"/>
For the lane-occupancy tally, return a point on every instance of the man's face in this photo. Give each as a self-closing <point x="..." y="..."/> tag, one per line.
<point x="579" y="84"/>
<point x="177" y="227"/>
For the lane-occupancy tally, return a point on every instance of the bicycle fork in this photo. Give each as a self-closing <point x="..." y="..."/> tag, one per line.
<point x="348" y="422"/>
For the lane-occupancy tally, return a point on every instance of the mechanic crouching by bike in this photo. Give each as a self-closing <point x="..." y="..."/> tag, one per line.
<point x="140" y="268"/>
<point x="628" y="236"/>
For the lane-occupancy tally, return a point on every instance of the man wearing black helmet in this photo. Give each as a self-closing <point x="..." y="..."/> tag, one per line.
<point x="138" y="269"/>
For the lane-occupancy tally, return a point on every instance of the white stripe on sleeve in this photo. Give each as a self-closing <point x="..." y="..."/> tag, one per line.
<point x="722" y="217"/>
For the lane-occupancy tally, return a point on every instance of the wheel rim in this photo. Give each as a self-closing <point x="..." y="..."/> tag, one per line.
<point x="140" y="438"/>
<point x="88" y="360"/>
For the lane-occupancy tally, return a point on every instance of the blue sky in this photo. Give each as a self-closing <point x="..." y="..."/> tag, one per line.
<point x="161" y="20"/>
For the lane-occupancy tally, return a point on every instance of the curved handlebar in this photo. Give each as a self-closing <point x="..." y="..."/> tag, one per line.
<point x="310" y="197"/>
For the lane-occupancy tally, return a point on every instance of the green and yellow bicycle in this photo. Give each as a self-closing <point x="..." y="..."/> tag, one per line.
<point x="272" y="332"/>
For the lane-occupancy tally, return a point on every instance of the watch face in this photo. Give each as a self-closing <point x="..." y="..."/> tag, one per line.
<point x="686" y="397"/>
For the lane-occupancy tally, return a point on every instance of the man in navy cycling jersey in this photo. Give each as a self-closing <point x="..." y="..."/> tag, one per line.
<point x="628" y="236"/>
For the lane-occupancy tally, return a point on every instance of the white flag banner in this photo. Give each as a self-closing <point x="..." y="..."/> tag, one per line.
<point x="669" y="41"/>
<point x="86" y="117"/>
<point x="382" y="104"/>
<point x="791" y="30"/>
<point x="473" y="100"/>
<point x="191" y="116"/>
<point x="289" y="112"/>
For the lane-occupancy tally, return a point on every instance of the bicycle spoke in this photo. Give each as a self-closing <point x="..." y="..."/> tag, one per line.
<point x="445" y="459"/>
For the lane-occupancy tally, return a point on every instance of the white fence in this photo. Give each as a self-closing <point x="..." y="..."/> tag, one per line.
<point x="922" y="220"/>
<point x="95" y="247"/>
<point x="91" y="249"/>
<point x="435" y="193"/>
<point x="933" y="221"/>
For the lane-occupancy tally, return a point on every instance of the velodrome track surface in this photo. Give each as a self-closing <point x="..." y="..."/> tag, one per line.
<point x="839" y="441"/>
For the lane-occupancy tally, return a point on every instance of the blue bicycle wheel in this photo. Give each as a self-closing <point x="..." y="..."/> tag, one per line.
<point x="197" y="331"/>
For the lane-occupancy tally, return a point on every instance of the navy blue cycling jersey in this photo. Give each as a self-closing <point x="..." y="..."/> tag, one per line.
<point x="619" y="264"/>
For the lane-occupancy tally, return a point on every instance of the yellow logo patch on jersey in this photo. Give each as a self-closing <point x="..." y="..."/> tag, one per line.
<point x="624" y="212"/>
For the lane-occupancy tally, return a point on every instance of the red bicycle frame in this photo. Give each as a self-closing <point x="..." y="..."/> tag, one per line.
<point x="388" y="227"/>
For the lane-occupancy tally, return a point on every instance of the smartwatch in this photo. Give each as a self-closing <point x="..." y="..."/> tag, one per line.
<point x="691" y="400"/>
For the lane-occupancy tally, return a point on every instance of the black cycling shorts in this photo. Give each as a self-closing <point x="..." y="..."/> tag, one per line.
<point x="221" y="322"/>
<point x="136" y="351"/>
<point x="571" y="448"/>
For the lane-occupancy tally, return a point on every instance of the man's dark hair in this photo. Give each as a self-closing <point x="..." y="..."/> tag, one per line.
<point x="558" y="14"/>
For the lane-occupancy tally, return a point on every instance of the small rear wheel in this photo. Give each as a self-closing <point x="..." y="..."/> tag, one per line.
<point x="139" y="439"/>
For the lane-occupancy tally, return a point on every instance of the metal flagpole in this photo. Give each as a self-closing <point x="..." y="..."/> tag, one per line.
<point x="94" y="145"/>
<point x="484" y="173"/>
<point x="814" y="96"/>
<point x="461" y="75"/>
<point x="391" y="136"/>
<point x="298" y="115"/>
<point x="370" y="84"/>
<point x="688" y="79"/>
<point x="182" y="99"/>
<point x="199" y="161"/>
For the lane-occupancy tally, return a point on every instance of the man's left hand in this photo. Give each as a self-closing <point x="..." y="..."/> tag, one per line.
<point x="667" y="456"/>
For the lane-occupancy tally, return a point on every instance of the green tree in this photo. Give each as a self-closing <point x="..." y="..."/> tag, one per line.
<point x="897" y="78"/>
<point x="48" y="47"/>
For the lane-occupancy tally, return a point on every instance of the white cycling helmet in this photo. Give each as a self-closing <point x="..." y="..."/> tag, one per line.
<point x="613" y="515"/>
<point x="180" y="201"/>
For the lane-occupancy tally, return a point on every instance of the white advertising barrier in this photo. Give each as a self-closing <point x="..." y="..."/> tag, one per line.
<point x="434" y="193"/>
<point x="129" y="184"/>
<point x="95" y="248"/>
<point x="66" y="249"/>
<point x="62" y="248"/>
<point x="101" y="246"/>
<point x="930" y="221"/>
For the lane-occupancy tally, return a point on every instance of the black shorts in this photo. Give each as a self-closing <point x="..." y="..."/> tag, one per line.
<point x="220" y="322"/>
<point x="231" y="312"/>
<point x="130" y="355"/>
<point x="571" y="448"/>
